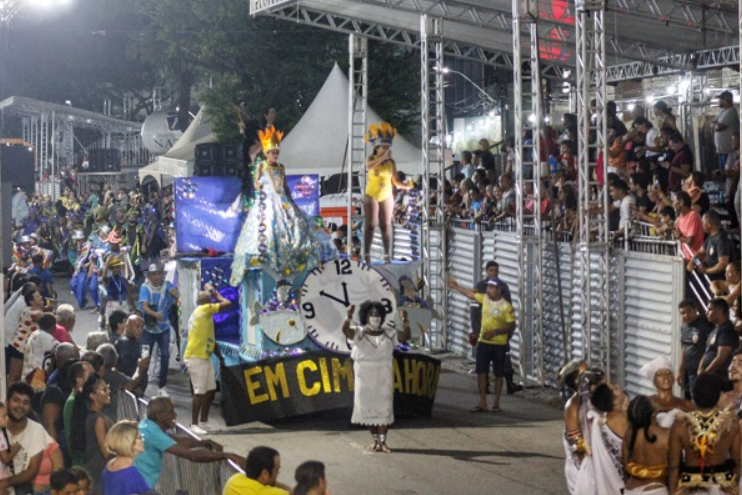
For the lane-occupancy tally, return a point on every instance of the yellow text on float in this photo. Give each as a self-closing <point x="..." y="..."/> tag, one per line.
<point x="315" y="376"/>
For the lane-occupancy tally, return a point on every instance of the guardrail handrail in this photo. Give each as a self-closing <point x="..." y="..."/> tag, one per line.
<point x="183" y="476"/>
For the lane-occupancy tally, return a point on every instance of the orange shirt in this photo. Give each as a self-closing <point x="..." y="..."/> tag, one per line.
<point x="690" y="225"/>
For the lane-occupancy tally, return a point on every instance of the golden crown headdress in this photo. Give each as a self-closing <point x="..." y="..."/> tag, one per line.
<point x="270" y="139"/>
<point x="380" y="133"/>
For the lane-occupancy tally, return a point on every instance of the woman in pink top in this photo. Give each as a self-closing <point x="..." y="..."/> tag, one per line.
<point x="688" y="225"/>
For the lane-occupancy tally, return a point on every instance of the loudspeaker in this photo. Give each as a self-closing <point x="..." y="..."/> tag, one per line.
<point x="217" y="160"/>
<point x="209" y="152"/>
<point x="104" y="160"/>
<point x="6" y="225"/>
<point x="207" y="169"/>
<point x="17" y="167"/>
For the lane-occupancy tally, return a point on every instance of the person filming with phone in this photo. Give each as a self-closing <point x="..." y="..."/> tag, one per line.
<point x="197" y="356"/>
<point x="133" y="356"/>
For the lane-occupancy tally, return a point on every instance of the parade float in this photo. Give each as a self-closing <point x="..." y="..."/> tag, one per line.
<point x="284" y="350"/>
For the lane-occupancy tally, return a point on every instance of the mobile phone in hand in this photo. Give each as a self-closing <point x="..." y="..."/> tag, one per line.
<point x="145" y="351"/>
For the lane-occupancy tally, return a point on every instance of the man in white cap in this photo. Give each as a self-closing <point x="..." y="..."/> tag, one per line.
<point x="498" y="325"/>
<point x="660" y="372"/>
<point x="155" y="298"/>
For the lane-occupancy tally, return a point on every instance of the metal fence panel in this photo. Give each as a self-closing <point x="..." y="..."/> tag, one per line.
<point x="503" y="248"/>
<point x="554" y="328"/>
<point x="438" y="277"/>
<point x="653" y="290"/>
<point x="465" y="251"/>
<point x="405" y="245"/>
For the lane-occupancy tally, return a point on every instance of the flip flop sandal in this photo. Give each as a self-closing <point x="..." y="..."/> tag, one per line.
<point x="477" y="409"/>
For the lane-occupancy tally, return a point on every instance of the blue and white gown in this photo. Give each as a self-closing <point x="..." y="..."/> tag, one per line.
<point x="293" y="242"/>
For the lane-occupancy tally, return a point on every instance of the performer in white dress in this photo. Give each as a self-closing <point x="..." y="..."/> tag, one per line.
<point x="372" y="354"/>
<point x="573" y="440"/>
<point x="608" y="428"/>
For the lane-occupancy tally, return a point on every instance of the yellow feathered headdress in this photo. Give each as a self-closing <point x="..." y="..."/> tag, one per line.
<point x="270" y="139"/>
<point x="381" y="134"/>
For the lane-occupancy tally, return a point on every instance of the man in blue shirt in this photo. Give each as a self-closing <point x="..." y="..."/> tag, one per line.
<point x="161" y="418"/>
<point x="155" y="298"/>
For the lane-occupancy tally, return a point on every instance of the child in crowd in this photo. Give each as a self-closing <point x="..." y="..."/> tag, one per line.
<point x="84" y="482"/>
<point x="666" y="225"/>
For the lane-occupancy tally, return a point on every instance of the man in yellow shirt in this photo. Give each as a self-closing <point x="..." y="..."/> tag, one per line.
<point x="498" y="325"/>
<point x="197" y="357"/>
<point x="261" y="475"/>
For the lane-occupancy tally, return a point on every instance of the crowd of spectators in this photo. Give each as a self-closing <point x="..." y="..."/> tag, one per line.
<point x="652" y="178"/>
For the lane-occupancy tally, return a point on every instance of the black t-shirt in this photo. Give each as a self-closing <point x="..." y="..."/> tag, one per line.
<point x="693" y="337"/>
<point x="644" y="202"/>
<point x="57" y="391"/>
<point x="704" y="203"/>
<point x="129" y="353"/>
<point x="722" y="336"/>
<point x="717" y="245"/>
<point x="487" y="160"/>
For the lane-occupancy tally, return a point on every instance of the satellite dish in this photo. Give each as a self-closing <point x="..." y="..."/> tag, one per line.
<point x="160" y="132"/>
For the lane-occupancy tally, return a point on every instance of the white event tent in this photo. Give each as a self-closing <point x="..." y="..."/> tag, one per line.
<point x="317" y="144"/>
<point x="179" y="160"/>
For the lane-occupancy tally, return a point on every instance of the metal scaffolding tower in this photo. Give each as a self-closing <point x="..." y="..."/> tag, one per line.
<point x="594" y="243"/>
<point x="434" y="252"/>
<point x="358" y="105"/>
<point x="528" y="118"/>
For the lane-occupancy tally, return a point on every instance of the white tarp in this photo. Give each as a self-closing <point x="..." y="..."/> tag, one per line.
<point x="179" y="160"/>
<point x="317" y="144"/>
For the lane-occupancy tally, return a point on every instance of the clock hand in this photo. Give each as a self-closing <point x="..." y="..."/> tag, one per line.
<point x="346" y="302"/>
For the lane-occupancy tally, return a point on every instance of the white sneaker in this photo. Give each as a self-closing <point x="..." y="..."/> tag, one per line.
<point x="208" y="426"/>
<point x="198" y="430"/>
<point x="162" y="391"/>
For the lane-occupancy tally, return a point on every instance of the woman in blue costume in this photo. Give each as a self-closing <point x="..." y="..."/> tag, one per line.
<point x="277" y="235"/>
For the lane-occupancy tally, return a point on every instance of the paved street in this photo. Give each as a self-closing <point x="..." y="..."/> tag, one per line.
<point x="514" y="452"/>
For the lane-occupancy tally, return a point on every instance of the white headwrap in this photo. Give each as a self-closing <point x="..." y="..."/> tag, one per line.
<point x="651" y="368"/>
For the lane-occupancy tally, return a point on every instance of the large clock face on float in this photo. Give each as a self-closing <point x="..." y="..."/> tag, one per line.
<point x="327" y="293"/>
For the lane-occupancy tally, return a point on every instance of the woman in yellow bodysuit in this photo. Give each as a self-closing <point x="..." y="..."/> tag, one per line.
<point x="381" y="175"/>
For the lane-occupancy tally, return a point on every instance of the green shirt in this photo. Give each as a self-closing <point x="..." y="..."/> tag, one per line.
<point x="69" y="407"/>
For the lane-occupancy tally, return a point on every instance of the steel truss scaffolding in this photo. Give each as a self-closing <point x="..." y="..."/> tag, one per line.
<point x="434" y="249"/>
<point x="374" y="30"/>
<point x="594" y="243"/>
<point x="50" y="127"/>
<point x="527" y="111"/>
<point x="358" y="105"/>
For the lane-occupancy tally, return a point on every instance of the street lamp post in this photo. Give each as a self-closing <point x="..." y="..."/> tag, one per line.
<point x="488" y="97"/>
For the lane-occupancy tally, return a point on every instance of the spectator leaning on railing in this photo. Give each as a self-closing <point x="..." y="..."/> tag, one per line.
<point x="160" y="419"/>
<point x="712" y="259"/>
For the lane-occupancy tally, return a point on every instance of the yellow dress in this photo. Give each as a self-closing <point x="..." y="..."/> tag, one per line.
<point x="379" y="181"/>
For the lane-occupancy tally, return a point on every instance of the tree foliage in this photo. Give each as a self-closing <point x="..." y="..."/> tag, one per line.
<point x="213" y="49"/>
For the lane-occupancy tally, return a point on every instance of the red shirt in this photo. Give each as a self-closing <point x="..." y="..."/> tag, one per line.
<point x="61" y="334"/>
<point x="690" y="225"/>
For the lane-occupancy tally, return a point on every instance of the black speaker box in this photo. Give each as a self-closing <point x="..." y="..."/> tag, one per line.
<point x="17" y="167"/>
<point x="217" y="160"/>
<point x="104" y="160"/>
<point x="208" y="169"/>
<point x="209" y="152"/>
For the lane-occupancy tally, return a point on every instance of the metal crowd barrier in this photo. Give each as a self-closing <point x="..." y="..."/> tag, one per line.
<point x="181" y="476"/>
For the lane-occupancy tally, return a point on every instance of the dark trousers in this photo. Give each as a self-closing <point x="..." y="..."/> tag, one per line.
<point x="162" y="340"/>
<point x="475" y="316"/>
